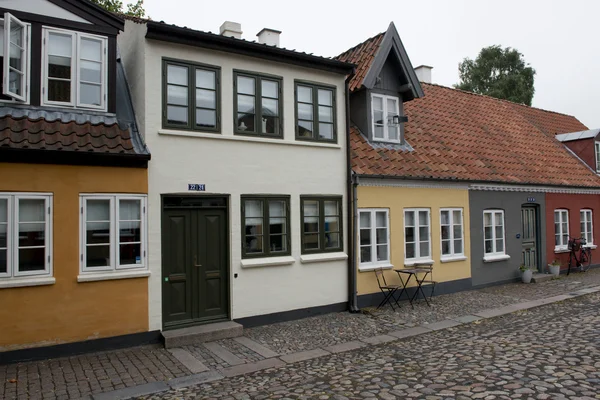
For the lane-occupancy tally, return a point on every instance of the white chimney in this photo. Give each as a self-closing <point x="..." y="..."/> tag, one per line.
<point x="269" y="37"/>
<point x="232" y="29"/>
<point x="424" y="73"/>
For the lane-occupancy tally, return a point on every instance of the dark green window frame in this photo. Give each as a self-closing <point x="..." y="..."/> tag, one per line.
<point x="324" y="234"/>
<point x="192" y="102"/>
<point x="315" y="103"/>
<point x="259" y="98"/>
<point x="266" y="234"/>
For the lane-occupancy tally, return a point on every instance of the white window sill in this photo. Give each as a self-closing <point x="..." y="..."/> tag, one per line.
<point x="590" y="246"/>
<point x="452" y="259"/>
<point x="109" y="276"/>
<point x="416" y="262"/>
<point x="23" y="282"/>
<point x="268" y="262"/>
<point x="558" y="250"/>
<point x="499" y="257"/>
<point x="314" y="258"/>
<point x="373" y="267"/>
<point x="244" y="138"/>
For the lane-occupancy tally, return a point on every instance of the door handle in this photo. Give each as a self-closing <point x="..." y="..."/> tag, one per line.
<point x="196" y="261"/>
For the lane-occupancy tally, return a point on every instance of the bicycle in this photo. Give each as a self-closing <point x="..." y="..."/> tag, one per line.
<point x="585" y="254"/>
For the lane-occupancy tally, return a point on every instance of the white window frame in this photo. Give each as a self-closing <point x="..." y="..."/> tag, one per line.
<point x="561" y="212"/>
<point x="384" y="99"/>
<point x="495" y="252"/>
<point x="590" y="219"/>
<point x="417" y="242"/>
<point x="75" y="69"/>
<point x="12" y="270"/>
<point x="597" y="154"/>
<point x="6" y="21"/>
<point x="452" y="254"/>
<point x="373" y="230"/>
<point x="114" y="266"/>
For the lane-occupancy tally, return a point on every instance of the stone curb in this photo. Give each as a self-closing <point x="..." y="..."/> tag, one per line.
<point x="275" y="362"/>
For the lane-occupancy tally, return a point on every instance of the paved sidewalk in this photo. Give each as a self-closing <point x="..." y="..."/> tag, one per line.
<point x="267" y="346"/>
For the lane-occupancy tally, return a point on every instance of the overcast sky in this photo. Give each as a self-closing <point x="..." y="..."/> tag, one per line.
<point x="560" y="39"/>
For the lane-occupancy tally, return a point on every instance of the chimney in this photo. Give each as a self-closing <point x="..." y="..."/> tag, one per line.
<point x="424" y="73"/>
<point x="232" y="29"/>
<point x="269" y="37"/>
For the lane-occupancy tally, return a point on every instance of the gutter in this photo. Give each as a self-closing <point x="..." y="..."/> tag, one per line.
<point x="352" y="210"/>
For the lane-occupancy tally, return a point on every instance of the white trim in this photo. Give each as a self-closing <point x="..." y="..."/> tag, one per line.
<point x="384" y="98"/>
<point x="112" y="276"/>
<point x="417" y="235"/>
<point x="420" y="261"/>
<point x="372" y="267"/>
<point x="267" y="261"/>
<point x="452" y="254"/>
<point x="373" y="236"/>
<point x="8" y="20"/>
<point x="561" y="250"/>
<point x="314" y="258"/>
<point x="452" y="259"/>
<point x="219" y="136"/>
<point x="561" y="212"/>
<point x="103" y="73"/>
<point x="597" y="155"/>
<point x="531" y="189"/>
<point x="494" y="253"/>
<point x="585" y="233"/>
<point x="590" y="246"/>
<point x="494" y="258"/>
<point x="23" y="282"/>
<point x="410" y="183"/>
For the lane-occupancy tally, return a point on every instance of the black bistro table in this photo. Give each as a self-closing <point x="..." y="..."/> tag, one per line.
<point x="406" y="274"/>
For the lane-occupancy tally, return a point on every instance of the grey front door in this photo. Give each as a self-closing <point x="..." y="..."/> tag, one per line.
<point x="194" y="266"/>
<point x="529" y="236"/>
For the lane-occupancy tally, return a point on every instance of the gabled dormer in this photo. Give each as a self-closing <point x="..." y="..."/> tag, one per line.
<point x="384" y="80"/>
<point x="58" y="54"/>
<point x="585" y="145"/>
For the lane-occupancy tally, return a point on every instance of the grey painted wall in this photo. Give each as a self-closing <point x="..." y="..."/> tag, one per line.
<point x="511" y="202"/>
<point x="358" y="111"/>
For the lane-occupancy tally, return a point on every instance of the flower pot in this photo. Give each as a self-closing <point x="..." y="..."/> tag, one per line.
<point x="554" y="269"/>
<point x="527" y="274"/>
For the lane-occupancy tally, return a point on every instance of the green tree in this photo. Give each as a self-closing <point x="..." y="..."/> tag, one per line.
<point x="500" y="73"/>
<point x="134" y="9"/>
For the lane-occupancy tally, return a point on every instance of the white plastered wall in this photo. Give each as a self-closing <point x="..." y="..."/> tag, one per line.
<point x="237" y="167"/>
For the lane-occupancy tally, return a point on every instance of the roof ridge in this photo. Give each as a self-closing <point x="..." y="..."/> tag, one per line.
<point x="360" y="44"/>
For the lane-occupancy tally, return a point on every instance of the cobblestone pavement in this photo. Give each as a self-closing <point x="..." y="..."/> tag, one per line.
<point x="552" y="352"/>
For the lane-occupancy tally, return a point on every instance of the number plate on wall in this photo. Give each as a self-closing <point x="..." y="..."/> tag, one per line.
<point x="199" y="187"/>
<point x="531" y="199"/>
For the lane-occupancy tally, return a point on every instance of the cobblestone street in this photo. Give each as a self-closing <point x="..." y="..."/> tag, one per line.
<point x="549" y="352"/>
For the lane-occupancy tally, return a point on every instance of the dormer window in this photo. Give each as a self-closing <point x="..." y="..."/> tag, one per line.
<point x="14" y="54"/>
<point x="597" y="147"/>
<point x="74" y="68"/>
<point x="385" y="127"/>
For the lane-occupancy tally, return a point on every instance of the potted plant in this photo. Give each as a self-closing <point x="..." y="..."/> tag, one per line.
<point x="527" y="273"/>
<point x="554" y="267"/>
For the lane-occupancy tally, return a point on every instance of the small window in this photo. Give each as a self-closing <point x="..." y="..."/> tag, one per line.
<point x="25" y="235"/>
<point x="451" y="223"/>
<point x="258" y="105"/>
<point x="321" y="224"/>
<point x="315" y="112"/>
<point x="417" y="238"/>
<point x="75" y="71"/>
<point x="597" y="146"/>
<point x="587" y="226"/>
<point x="385" y="126"/>
<point x="493" y="232"/>
<point x="266" y="226"/>
<point x="191" y="96"/>
<point x="112" y="233"/>
<point x="14" y="52"/>
<point x="561" y="229"/>
<point x="374" y="236"/>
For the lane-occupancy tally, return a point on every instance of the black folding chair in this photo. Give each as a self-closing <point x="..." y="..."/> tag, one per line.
<point x="387" y="290"/>
<point x="428" y="280"/>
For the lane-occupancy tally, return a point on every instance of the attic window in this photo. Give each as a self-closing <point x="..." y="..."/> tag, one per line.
<point x="13" y="53"/>
<point x="384" y="109"/>
<point x="597" y="147"/>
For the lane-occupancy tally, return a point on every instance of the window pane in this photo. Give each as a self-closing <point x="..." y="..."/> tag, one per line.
<point x="382" y="253"/>
<point x="424" y="233"/>
<point x="487" y="219"/>
<point x="381" y="219"/>
<point x="365" y="237"/>
<point x="130" y="231"/>
<point x="98" y="210"/>
<point x="378" y="132"/>
<point x="60" y="51"/>
<point x="487" y="232"/>
<point x="245" y="85"/>
<point x="325" y="114"/>
<point x="456" y="217"/>
<point x="325" y="97"/>
<point x="458" y="246"/>
<point x="15" y="82"/>
<point x="332" y="224"/>
<point x="254" y="244"/>
<point x="557" y="240"/>
<point x="445" y="232"/>
<point x="91" y="49"/>
<point x="90" y="94"/>
<point x="3" y="262"/>
<point x="445" y="217"/>
<point x="332" y="241"/>
<point x="304" y="94"/>
<point x="270" y="125"/>
<point x="365" y="254"/>
<point x="391" y="106"/>
<point x="3" y="235"/>
<point x="378" y="117"/>
<point x="206" y="118"/>
<point x="409" y="218"/>
<point x="499" y="232"/>
<point x="489" y="246"/>
<point x="278" y="243"/>
<point x="410" y="250"/>
<point x="457" y="231"/>
<point x="270" y="89"/>
<point x="177" y="75"/>
<point x="445" y="247"/>
<point x="205" y="79"/>
<point x="305" y="111"/>
<point x="246" y="122"/>
<point x="253" y="208"/>
<point x="305" y="129"/>
<point x="424" y="249"/>
<point x="499" y="245"/>
<point x="32" y="259"/>
<point x="3" y="210"/>
<point x="245" y="104"/>
<point x="498" y="219"/>
<point x="32" y="210"/>
<point x="381" y="234"/>
<point x="59" y="90"/>
<point x="32" y="234"/>
<point x="177" y="115"/>
<point x="423" y="218"/>
<point x="365" y="219"/>
<point x="409" y="234"/>
<point x="325" y="131"/>
<point x="98" y="233"/>
<point x="90" y="71"/>
<point x="393" y="132"/>
<point x="378" y="104"/>
<point x="277" y="220"/>
<point x="270" y="108"/>
<point x="130" y="254"/>
<point x="311" y="241"/>
<point x="206" y="98"/>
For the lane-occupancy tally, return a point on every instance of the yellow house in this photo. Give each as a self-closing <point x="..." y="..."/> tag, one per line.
<point x="73" y="187"/>
<point x="402" y="216"/>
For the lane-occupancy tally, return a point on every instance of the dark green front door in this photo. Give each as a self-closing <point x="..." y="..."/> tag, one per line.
<point x="529" y="254"/>
<point x="194" y="266"/>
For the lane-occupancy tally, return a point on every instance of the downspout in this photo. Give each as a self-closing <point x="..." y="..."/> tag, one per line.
<point x="352" y="210"/>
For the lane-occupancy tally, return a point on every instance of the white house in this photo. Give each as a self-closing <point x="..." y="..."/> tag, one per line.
<point x="248" y="179"/>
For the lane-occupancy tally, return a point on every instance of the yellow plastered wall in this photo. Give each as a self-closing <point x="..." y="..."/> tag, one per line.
<point x="396" y="199"/>
<point x="69" y="311"/>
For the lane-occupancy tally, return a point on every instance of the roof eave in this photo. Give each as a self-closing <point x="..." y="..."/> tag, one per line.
<point x="88" y="10"/>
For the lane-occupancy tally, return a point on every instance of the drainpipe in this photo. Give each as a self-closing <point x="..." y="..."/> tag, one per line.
<point x="352" y="212"/>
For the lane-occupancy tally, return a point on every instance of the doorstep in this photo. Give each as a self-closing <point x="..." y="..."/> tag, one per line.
<point x="537" y="278"/>
<point x="202" y="333"/>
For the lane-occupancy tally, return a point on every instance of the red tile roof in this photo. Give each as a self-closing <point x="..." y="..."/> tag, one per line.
<point x="457" y="135"/>
<point x="40" y="134"/>
<point x="363" y="56"/>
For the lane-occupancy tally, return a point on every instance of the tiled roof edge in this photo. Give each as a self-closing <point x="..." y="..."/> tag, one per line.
<point x="358" y="45"/>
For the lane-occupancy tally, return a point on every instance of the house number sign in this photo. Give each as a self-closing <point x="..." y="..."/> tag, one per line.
<point x="198" y="187"/>
<point x="531" y="199"/>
